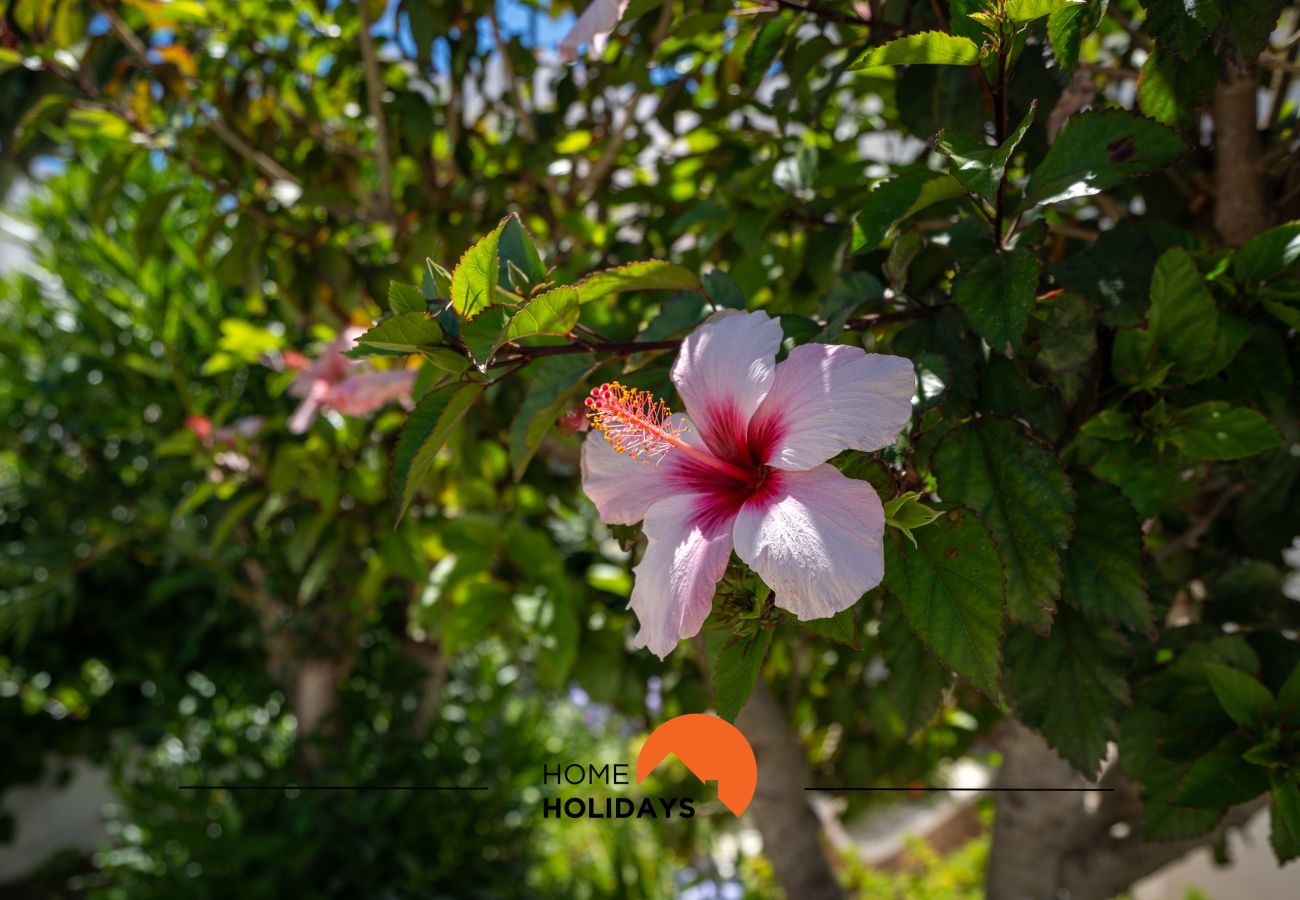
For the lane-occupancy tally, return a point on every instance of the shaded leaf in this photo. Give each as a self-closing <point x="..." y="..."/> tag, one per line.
<point x="403" y="333"/>
<point x="425" y="433"/>
<point x="917" y="680"/>
<point x="1103" y="561"/>
<point x="1218" y="430"/>
<point x="736" y="671"/>
<point x="998" y="295"/>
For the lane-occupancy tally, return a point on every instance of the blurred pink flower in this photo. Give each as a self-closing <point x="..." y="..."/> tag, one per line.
<point x="747" y="471"/>
<point x="593" y="28"/>
<point x="328" y="382"/>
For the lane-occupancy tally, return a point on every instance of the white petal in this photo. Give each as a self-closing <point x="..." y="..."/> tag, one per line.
<point x="593" y="27"/>
<point x="675" y="581"/>
<point x="622" y="488"/>
<point x="815" y="540"/>
<point x="723" y="372"/>
<point x="827" y="398"/>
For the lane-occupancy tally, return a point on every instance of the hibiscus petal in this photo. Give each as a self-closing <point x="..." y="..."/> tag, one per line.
<point x="360" y="394"/>
<point x="815" y="538"/>
<point x="827" y="398"/>
<point x="593" y="27"/>
<point x="623" y="488"/>
<point x="675" y="581"/>
<point x="723" y="372"/>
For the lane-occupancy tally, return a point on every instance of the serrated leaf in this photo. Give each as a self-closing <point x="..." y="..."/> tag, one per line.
<point x="950" y="587"/>
<point x="1140" y="755"/>
<point x="646" y="275"/>
<point x="736" y="670"/>
<point x="890" y="202"/>
<point x="1241" y="695"/>
<point x="555" y="312"/>
<point x="917" y="680"/>
<point x="1103" y="561"/>
<point x="406" y="298"/>
<point x="554" y="380"/>
<point x="998" y="295"/>
<point x="515" y="248"/>
<point x="404" y="333"/>
<point x="934" y="48"/>
<point x="1221" y="777"/>
<point x="1182" y="25"/>
<point x="484" y="334"/>
<point x="1218" y="430"/>
<point x="1071" y="686"/>
<point x="1181" y="334"/>
<point x="474" y="280"/>
<point x="1096" y="150"/>
<point x="1069" y="25"/>
<point x="1020" y="490"/>
<point x="1114" y="272"/>
<point x="842" y="628"/>
<point x="979" y="167"/>
<point x="1268" y="255"/>
<point x="426" y="431"/>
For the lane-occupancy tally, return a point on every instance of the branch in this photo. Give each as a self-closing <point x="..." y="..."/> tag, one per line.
<point x="375" y="100"/>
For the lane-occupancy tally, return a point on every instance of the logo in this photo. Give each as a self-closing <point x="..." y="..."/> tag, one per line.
<point x="712" y="748"/>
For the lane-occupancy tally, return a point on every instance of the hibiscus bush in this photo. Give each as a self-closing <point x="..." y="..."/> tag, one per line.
<point x="902" y="381"/>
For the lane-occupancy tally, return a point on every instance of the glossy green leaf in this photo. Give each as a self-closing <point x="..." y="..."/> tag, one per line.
<point x="1096" y="150"/>
<point x="927" y="48"/>
<point x="406" y="298"/>
<point x="1268" y="255"/>
<point x="980" y="167"/>
<point x="474" y="280"/>
<point x="555" y="312"/>
<point x="407" y="332"/>
<point x="485" y="333"/>
<point x="647" y="275"/>
<point x="1069" y="25"/>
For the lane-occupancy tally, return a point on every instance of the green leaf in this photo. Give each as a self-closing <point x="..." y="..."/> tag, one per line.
<point x="554" y="381"/>
<point x="1269" y="255"/>
<point x="516" y="248"/>
<point x="842" y="628"/>
<point x="1114" y="272"/>
<point x="905" y="513"/>
<point x="1069" y="25"/>
<point x="437" y="282"/>
<point x="1218" y="430"/>
<point x="894" y="200"/>
<point x="404" y="333"/>
<point x="1139" y="752"/>
<point x="1241" y="695"/>
<point x="1103" y="561"/>
<point x="555" y="312"/>
<point x="1171" y="91"/>
<point x="1245" y="27"/>
<point x="1182" y="25"/>
<point x="736" y="671"/>
<point x="1181" y="334"/>
<point x="934" y="48"/>
<point x="1096" y="150"/>
<point x="647" y="275"/>
<point x="1019" y="488"/>
<point x="474" y="280"/>
<point x="485" y="333"/>
<point x="426" y="431"/>
<point x="998" y="295"/>
<point x="9" y="59"/>
<point x="762" y="50"/>
<point x="1029" y="10"/>
<point x="917" y="680"/>
<point x="950" y="586"/>
<point x="979" y="167"/>
<point x="406" y="298"/>
<point x="1065" y="328"/>
<point x="1222" y="777"/>
<point x="1288" y="697"/>
<point x="1285" y="818"/>
<point x="1072" y="686"/>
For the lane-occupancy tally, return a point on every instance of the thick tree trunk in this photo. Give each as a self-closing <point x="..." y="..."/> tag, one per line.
<point x="1050" y="845"/>
<point x="790" y="829"/>
<point x="1241" y="203"/>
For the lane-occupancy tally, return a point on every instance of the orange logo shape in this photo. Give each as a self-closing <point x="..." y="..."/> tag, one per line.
<point x="712" y="748"/>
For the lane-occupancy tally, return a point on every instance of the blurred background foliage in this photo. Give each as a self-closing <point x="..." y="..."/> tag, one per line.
<point x="193" y="591"/>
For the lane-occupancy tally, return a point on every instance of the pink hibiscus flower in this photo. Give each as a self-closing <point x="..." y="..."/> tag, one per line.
<point x="747" y="471"/>
<point x="329" y="383"/>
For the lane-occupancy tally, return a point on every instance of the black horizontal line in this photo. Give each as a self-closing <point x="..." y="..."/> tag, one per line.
<point x="328" y="787"/>
<point x="1000" y="789"/>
